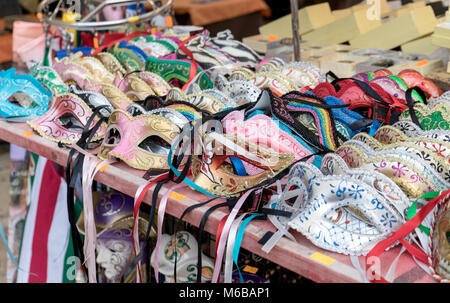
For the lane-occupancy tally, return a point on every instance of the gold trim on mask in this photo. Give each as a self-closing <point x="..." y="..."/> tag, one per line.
<point x="440" y="242"/>
<point x="411" y="181"/>
<point x="111" y="63"/>
<point x="37" y="129"/>
<point x="217" y="177"/>
<point x="155" y="125"/>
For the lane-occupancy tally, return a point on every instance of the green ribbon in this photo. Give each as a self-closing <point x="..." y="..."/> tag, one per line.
<point x="413" y="209"/>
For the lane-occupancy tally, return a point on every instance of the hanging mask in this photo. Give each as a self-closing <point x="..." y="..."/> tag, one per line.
<point x="113" y="215"/>
<point x="22" y="96"/>
<point x="65" y="120"/>
<point x="183" y="247"/>
<point x="142" y="142"/>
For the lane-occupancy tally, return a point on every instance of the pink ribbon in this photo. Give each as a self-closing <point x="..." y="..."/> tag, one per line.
<point x="91" y="166"/>
<point x="224" y="236"/>
<point x="161" y="212"/>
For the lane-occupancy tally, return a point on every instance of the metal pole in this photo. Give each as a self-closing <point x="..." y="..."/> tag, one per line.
<point x="295" y="34"/>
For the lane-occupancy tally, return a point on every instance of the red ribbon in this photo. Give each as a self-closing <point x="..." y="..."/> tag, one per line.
<point x="126" y="38"/>
<point x="218" y="235"/>
<point x="193" y="70"/>
<point x="405" y="230"/>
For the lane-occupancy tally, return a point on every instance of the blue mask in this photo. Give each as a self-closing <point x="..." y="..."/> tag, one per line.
<point x="24" y="88"/>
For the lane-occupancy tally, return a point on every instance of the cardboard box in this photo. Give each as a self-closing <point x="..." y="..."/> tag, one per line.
<point x="257" y="42"/>
<point x="342" y="65"/>
<point x="310" y="18"/>
<point x="423" y="46"/>
<point x="441" y="35"/>
<point x="415" y="24"/>
<point x="343" y="29"/>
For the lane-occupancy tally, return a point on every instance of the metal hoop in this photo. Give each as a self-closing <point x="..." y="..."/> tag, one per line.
<point x="86" y="25"/>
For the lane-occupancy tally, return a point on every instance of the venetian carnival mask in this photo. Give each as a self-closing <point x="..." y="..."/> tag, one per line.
<point x="22" y="96"/>
<point x="183" y="247"/>
<point x="66" y="119"/>
<point x="113" y="215"/>
<point x="343" y="210"/>
<point x="142" y="142"/>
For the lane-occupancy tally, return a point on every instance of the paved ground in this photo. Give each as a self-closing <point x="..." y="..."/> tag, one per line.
<point x="4" y="203"/>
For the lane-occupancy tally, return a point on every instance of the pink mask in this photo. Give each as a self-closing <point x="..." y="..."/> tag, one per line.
<point x="142" y="142"/>
<point x="66" y="119"/>
<point x="262" y="129"/>
<point x="75" y="73"/>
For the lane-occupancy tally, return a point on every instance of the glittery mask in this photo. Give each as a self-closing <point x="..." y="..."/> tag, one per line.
<point x="65" y="120"/>
<point x="408" y="171"/>
<point x="430" y="119"/>
<point x="414" y="78"/>
<point x="49" y="78"/>
<point x="22" y="96"/>
<point x="342" y="212"/>
<point x="142" y="142"/>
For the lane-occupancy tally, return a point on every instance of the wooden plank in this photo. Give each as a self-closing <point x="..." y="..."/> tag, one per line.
<point x="300" y="256"/>
<point x="415" y="24"/>
<point x="310" y="18"/>
<point x="343" y="29"/>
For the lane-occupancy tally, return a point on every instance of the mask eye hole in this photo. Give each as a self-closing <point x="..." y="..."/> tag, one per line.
<point x="22" y="99"/>
<point x="155" y="145"/>
<point x="112" y="137"/>
<point x="69" y="121"/>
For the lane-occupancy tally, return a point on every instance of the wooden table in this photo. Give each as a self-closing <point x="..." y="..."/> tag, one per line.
<point x="301" y="256"/>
